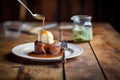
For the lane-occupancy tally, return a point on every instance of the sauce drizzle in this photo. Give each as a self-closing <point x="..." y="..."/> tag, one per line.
<point x="43" y="22"/>
<point x="46" y="33"/>
<point x="43" y="31"/>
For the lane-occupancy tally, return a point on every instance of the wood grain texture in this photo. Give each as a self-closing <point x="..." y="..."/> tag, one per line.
<point x="44" y="72"/>
<point x="106" y="45"/>
<point x="8" y="72"/>
<point x="84" y="67"/>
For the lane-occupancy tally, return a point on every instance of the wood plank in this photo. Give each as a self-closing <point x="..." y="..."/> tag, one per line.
<point x="84" y="67"/>
<point x="8" y="72"/>
<point x="48" y="71"/>
<point x="106" y="45"/>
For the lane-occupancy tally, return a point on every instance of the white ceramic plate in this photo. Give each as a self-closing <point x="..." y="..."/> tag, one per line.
<point x="23" y="50"/>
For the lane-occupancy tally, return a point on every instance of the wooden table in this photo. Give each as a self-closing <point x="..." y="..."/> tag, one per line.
<point x="100" y="59"/>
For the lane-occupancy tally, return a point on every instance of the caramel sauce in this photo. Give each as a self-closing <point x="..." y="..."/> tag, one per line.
<point x="44" y="32"/>
<point x="33" y="54"/>
<point x="43" y="22"/>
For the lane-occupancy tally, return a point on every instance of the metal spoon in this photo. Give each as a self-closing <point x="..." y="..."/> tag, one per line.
<point x="36" y="16"/>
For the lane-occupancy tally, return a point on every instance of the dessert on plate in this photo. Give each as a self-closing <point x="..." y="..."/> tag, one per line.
<point x="46" y="46"/>
<point x="46" y="43"/>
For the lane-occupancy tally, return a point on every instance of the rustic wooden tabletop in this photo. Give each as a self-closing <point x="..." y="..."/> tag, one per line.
<point x="100" y="59"/>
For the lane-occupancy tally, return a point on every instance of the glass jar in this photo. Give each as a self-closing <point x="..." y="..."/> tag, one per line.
<point x="82" y="28"/>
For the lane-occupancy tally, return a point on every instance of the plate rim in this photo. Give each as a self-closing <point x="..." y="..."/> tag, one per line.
<point x="45" y="59"/>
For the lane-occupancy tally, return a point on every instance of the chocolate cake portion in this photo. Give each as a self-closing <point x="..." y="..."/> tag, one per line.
<point x="47" y="48"/>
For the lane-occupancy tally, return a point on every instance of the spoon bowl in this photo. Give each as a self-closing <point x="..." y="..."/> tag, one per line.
<point x="38" y="16"/>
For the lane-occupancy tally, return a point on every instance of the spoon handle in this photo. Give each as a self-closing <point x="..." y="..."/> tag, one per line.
<point x="25" y="6"/>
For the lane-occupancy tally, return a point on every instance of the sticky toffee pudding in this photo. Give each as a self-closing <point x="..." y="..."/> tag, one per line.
<point x="46" y="46"/>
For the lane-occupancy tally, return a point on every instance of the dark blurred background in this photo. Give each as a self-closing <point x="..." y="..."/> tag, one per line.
<point x="62" y="10"/>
